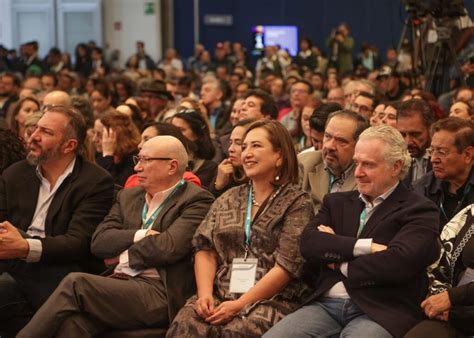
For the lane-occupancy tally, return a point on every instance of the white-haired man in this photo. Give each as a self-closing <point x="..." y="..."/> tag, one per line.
<point x="369" y="249"/>
<point x="147" y="236"/>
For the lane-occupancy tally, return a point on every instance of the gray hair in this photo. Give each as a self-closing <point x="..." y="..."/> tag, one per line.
<point x="395" y="147"/>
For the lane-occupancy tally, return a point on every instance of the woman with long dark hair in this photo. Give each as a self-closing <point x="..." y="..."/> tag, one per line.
<point x="196" y="130"/>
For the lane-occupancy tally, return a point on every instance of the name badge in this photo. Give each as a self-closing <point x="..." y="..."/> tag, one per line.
<point x="243" y="273"/>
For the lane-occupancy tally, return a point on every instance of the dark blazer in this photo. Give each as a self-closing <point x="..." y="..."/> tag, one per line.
<point x="431" y="187"/>
<point x="389" y="285"/>
<point x="171" y="251"/>
<point x="79" y="205"/>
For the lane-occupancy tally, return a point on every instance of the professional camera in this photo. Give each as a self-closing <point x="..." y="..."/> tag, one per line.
<point x="437" y="8"/>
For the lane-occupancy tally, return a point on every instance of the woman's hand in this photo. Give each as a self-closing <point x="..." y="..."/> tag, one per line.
<point x="436" y="305"/>
<point x="225" y="312"/>
<point x="204" y="306"/>
<point x="224" y="172"/>
<point x="109" y="142"/>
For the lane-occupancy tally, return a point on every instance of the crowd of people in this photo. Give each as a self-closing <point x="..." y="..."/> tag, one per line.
<point x="310" y="196"/>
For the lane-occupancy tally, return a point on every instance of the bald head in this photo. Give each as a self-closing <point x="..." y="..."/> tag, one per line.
<point x="57" y="98"/>
<point x="168" y="146"/>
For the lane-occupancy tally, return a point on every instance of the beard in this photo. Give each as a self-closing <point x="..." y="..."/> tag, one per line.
<point x="43" y="156"/>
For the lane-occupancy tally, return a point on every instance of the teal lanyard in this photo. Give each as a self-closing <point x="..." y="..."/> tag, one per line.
<point x="248" y="220"/>
<point x="303" y="142"/>
<point x="332" y="179"/>
<point x="362" y="219"/>
<point x="149" y="222"/>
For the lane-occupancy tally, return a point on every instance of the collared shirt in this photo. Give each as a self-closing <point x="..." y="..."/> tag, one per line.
<point x="338" y="182"/>
<point x="153" y="203"/>
<point x="363" y="246"/>
<point x="419" y="166"/>
<point x="45" y="197"/>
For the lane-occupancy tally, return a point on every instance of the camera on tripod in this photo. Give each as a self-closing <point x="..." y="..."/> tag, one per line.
<point x="437" y="8"/>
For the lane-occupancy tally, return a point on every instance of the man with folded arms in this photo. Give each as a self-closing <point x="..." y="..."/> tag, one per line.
<point x="369" y="249"/>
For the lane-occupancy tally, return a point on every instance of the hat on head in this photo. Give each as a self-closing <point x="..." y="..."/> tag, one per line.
<point x="386" y="71"/>
<point x="157" y="88"/>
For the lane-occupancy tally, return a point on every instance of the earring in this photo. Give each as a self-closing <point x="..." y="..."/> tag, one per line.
<point x="277" y="178"/>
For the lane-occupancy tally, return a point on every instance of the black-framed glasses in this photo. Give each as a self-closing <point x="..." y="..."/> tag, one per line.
<point x="145" y="159"/>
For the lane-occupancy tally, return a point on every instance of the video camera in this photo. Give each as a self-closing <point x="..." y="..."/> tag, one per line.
<point x="437" y="8"/>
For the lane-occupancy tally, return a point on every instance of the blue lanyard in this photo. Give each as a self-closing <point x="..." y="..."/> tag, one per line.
<point x="149" y="222"/>
<point x="362" y="219"/>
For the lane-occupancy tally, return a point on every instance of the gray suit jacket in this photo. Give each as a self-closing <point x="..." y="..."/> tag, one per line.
<point x="170" y="252"/>
<point x="315" y="179"/>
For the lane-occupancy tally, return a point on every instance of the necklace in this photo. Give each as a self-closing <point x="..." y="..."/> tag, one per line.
<point x="254" y="201"/>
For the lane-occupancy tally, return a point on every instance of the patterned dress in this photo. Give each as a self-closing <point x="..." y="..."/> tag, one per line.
<point x="275" y="240"/>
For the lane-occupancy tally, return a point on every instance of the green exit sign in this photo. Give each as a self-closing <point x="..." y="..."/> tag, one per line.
<point x="149" y="8"/>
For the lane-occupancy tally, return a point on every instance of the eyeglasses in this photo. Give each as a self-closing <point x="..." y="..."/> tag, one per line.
<point x="441" y="153"/>
<point x="144" y="159"/>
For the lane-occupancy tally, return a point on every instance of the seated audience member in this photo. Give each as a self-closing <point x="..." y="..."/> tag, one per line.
<point x="23" y="109"/>
<point x="223" y="140"/>
<point x="450" y="302"/>
<point x="84" y="106"/>
<point x="202" y="150"/>
<point x="213" y="97"/>
<point x="147" y="238"/>
<point x="133" y="112"/>
<point x="49" y="207"/>
<point x="317" y="123"/>
<point x="369" y="250"/>
<point x="273" y="211"/>
<point x="230" y="172"/>
<point x="331" y="169"/>
<point x="389" y="116"/>
<point x="157" y="97"/>
<point x="101" y="99"/>
<point x="414" y="118"/>
<point x="304" y="129"/>
<point x="235" y="111"/>
<point x="364" y="105"/>
<point x="258" y="105"/>
<point x="450" y="184"/>
<point x="389" y="83"/>
<point x="300" y="94"/>
<point x="463" y="110"/>
<point x="385" y="113"/>
<point x="155" y="129"/>
<point x="336" y="95"/>
<point x="116" y="139"/>
<point x="57" y="98"/>
<point x="12" y="149"/>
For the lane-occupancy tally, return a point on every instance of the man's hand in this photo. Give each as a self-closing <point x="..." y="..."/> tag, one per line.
<point x="436" y="305"/>
<point x="111" y="261"/>
<point x="12" y="244"/>
<point x="326" y="229"/>
<point x="378" y="247"/>
<point x="225" y="312"/>
<point x="151" y="232"/>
